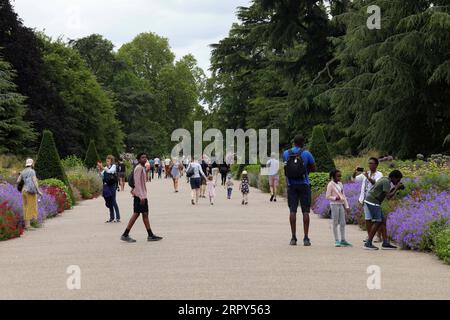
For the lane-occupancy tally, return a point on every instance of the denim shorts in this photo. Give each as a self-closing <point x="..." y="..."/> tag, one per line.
<point x="299" y="194"/>
<point x="374" y="213"/>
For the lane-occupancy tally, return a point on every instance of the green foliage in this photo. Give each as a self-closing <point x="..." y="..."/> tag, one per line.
<point x="89" y="111"/>
<point x="16" y="135"/>
<point x="319" y="181"/>
<point x="71" y="162"/>
<point x="442" y="245"/>
<point x="90" y="161"/>
<point x="87" y="182"/>
<point x="319" y="149"/>
<point x="48" y="164"/>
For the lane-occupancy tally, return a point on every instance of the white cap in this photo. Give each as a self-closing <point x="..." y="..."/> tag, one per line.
<point x="29" y="163"/>
<point x="244" y="172"/>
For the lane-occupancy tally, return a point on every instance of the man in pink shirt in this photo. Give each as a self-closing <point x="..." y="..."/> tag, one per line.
<point x="139" y="193"/>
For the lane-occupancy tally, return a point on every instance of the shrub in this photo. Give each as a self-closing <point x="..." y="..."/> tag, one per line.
<point x="10" y="225"/>
<point x="321" y="152"/>
<point x="48" y="163"/>
<point x="47" y="207"/>
<point x="76" y="194"/>
<point x="442" y="245"/>
<point x="91" y="156"/>
<point x="88" y="182"/>
<point x="61" y="185"/>
<point x="9" y="193"/>
<point x="72" y="162"/>
<point x="319" y="181"/>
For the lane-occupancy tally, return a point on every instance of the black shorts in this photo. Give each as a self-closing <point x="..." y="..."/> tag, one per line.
<point x="299" y="194"/>
<point x="195" y="183"/>
<point x="138" y="207"/>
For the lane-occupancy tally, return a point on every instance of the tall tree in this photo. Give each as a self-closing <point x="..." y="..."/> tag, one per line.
<point x="20" y="47"/>
<point x="16" y="135"/>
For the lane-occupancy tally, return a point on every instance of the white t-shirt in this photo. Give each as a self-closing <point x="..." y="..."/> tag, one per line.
<point x="274" y="167"/>
<point x="198" y="171"/>
<point x="157" y="161"/>
<point x="167" y="162"/>
<point x="366" y="185"/>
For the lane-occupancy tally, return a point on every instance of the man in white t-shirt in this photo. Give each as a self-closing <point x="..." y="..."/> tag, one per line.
<point x="368" y="180"/>
<point x="167" y="163"/>
<point x="274" y="167"/>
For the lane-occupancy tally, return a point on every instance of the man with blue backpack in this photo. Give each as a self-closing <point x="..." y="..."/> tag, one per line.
<point x="298" y="164"/>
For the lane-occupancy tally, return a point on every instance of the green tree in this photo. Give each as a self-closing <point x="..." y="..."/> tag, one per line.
<point x="48" y="163"/>
<point x="321" y="152"/>
<point x="16" y="135"/>
<point x="45" y="108"/>
<point x="147" y="55"/>
<point x="92" y="156"/>
<point x="89" y="110"/>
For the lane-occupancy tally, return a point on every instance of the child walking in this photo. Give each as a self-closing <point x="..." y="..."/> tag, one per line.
<point x="229" y="184"/>
<point x="211" y="189"/>
<point x="339" y="206"/>
<point x="244" y="187"/>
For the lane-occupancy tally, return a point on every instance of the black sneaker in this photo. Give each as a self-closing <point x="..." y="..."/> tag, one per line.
<point x="109" y="221"/>
<point x="193" y="202"/>
<point x="370" y="246"/>
<point x="275" y="199"/>
<point x="307" y="242"/>
<point x="293" y="242"/>
<point x="271" y="198"/>
<point x="127" y="239"/>
<point x="388" y="246"/>
<point x="154" y="238"/>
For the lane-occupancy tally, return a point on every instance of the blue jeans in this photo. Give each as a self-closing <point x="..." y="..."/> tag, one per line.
<point x="114" y="206"/>
<point x="229" y="191"/>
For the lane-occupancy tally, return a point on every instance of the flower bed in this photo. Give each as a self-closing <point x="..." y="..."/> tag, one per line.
<point x="12" y="210"/>
<point x="409" y="224"/>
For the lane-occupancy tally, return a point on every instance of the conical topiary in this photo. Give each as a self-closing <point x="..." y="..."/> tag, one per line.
<point x="48" y="164"/>
<point x="91" y="156"/>
<point x="321" y="152"/>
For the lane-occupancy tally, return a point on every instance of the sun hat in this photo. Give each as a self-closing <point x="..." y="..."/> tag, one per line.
<point x="29" y="163"/>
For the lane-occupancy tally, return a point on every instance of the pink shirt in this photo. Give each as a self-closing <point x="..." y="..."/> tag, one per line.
<point x="335" y="190"/>
<point x="140" y="188"/>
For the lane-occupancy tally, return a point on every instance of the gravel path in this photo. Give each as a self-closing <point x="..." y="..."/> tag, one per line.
<point x="223" y="252"/>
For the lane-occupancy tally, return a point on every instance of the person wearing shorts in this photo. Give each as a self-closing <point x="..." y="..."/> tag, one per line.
<point x="299" y="191"/>
<point x="195" y="180"/>
<point x="274" y="166"/>
<point x="140" y="202"/>
<point x="380" y="191"/>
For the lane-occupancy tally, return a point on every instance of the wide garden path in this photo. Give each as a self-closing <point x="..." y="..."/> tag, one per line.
<point x="223" y="252"/>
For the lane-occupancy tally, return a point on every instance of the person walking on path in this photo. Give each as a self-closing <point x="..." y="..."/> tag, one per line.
<point x="207" y="171"/>
<point x="195" y="174"/>
<point x="244" y="187"/>
<point x="30" y="191"/>
<point x="368" y="180"/>
<point x="298" y="164"/>
<point x="140" y="202"/>
<point x="175" y="173"/>
<point x="215" y="170"/>
<point x="167" y="164"/>
<point x="274" y="167"/>
<point x="224" y="168"/>
<point x="110" y="181"/>
<point x="211" y="189"/>
<point x="339" y="207"/>
<point x="229" y="184"/>
<point x="152" y="169"/>
<point x="122" y="171"/>
<point x="381" y="190"/>
<point x="158" y="167"/>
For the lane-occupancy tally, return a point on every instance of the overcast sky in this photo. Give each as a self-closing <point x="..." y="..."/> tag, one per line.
<point x="190" y="25"/>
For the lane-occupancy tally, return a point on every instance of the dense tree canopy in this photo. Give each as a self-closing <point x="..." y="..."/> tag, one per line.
<point x="294" y="64"/>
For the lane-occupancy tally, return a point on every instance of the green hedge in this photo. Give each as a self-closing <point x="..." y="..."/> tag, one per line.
<point x="91" y="156"/>
<point x="442" y="245"/>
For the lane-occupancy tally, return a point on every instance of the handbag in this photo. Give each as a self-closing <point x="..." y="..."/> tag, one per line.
<point x="190" y="172"/>
<point x="20" y="185"/>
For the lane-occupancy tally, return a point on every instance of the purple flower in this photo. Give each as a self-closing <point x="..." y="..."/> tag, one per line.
<point x="408" y="225"/>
